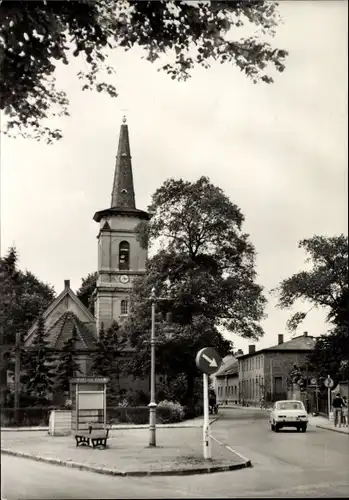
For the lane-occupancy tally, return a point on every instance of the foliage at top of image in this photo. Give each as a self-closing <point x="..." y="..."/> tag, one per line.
<point x="36" y="35"/>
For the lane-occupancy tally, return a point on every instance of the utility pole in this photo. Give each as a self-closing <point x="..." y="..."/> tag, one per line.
<point x="17" y="373"/>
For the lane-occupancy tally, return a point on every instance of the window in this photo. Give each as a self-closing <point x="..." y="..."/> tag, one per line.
<point x="124" y="256"/>
<point x="124" y="307"/>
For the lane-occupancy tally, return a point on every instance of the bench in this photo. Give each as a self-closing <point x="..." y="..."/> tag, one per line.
<point x="97" y="438"/>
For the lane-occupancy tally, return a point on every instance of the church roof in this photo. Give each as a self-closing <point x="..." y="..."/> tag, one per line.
<point x="62" y="330"/>
<point x="123" y="194"/>
<point x="66" y="302"/>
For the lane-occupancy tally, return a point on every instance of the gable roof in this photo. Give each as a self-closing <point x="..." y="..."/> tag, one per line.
<point x="302" y="343"/>
<point x="67" y="293"/>
<point x="62" y="330"/>
<point x="230" y="366"/>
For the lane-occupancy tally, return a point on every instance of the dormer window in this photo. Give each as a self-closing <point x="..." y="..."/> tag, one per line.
<point x="124" y="256"/>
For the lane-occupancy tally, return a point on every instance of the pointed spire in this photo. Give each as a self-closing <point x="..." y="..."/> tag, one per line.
<point x="123" y="191"/>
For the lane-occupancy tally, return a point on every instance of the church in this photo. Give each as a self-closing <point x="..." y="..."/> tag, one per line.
<point x="121" y="259"/>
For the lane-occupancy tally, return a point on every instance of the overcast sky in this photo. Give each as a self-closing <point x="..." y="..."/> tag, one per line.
<point x="279" y="152"/>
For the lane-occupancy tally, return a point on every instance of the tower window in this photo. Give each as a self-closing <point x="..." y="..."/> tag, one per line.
<point x="124" y="307"/>
<point x="124" y="255"/>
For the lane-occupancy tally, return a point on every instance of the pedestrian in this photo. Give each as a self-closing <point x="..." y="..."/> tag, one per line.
<point x="337" y="406"/>
<point x="345" y="411"/>
<point x="262" y="403"/>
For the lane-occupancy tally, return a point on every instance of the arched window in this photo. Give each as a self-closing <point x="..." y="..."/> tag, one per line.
<point x="124" y="256"/>
<point x="124" y="307"/>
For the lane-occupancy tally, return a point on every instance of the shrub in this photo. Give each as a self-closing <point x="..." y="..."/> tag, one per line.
<point x="170" y="411"/>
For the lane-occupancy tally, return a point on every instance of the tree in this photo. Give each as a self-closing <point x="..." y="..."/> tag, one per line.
<point x="86" y="290"/>
<point x="205" y="269"/>
<point x="37" y="35"/>
<point x="67" y="366"/>
<point x="37" y="365"/>
<point x="107" y="360"/>
<point x="324" y="285"/>
<point x="22" y="297"/>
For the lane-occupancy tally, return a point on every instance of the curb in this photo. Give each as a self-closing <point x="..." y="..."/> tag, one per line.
<point x="117" y="427"/>
<point x="115" y="472"/>
<point x="330" y="429"/>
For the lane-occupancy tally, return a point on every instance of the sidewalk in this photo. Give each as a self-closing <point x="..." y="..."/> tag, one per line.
<point x="323" y="423"/>
<point x="178" y="451"/>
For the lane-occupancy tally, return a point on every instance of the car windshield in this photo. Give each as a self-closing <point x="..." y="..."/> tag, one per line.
<point x="290" y="405"/>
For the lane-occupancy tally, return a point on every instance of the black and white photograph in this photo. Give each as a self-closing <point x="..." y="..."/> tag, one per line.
<point x="174" y="296"/>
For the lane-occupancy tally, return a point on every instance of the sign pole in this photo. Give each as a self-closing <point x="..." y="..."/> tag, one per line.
<point x="329" y="397"/>
<point x="206" y="427"/>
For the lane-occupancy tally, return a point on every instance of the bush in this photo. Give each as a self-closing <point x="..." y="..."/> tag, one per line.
<point x="170" y="411"/>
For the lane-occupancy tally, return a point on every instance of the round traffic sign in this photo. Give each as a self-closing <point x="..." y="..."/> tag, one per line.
<point x="328" y="382"/>
<point x="208" y="360"/>
<point x="313" y="381"/>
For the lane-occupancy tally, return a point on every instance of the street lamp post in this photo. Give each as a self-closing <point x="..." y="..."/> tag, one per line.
<point x="168" y="334"/>
<point x="152" y="405"/>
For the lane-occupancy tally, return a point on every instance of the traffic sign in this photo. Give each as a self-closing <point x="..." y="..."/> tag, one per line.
<point x="313" y="381"/>
<point x="208" y="360"/>
<point x="328" y="383"/>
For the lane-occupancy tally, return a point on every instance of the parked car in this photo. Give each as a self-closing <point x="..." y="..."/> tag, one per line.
<point x="289" y="413"/>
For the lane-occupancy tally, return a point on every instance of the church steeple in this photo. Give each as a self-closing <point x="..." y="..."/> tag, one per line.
<point x="123" y="195"/>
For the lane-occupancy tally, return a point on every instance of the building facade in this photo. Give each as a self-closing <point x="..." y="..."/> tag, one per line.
<point x="264" y="373"/>
<point x="121" y="257"/>
<point x="226" y="381"/>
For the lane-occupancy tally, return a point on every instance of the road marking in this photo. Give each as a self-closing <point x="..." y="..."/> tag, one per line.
<point x="231" y="449"/>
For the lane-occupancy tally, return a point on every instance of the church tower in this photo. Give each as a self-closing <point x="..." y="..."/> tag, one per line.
<point x="120" y="256"/>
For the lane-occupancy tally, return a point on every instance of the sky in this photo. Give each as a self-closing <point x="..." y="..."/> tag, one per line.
<point x="278" y="151"/>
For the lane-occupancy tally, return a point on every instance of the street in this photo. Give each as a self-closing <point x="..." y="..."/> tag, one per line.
<point x="286" y="464"/>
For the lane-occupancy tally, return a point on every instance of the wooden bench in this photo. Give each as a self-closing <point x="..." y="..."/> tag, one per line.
<point x="97" y="438"/>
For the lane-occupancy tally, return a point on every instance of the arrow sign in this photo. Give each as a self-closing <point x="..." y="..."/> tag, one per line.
<point x="208" y="360"/>
<point x="212" y="362"/>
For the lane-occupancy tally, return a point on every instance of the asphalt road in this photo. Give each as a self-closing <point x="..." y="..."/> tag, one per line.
<point x="286" y="464"/>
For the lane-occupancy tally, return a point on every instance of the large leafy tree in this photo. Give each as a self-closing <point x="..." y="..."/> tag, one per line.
<point x="36" y="35"/>
<point x="205" y="270"/>
<point x="85" y="292"/>
<point x="67" y="366"/>
<point x="37" y="365"/>
<point x="323" y="286"/>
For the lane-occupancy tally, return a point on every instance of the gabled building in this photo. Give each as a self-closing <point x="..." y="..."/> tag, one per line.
<point x="264" y="373"/>
<point x="226" y="381"/>
<point x="65" y="312"/>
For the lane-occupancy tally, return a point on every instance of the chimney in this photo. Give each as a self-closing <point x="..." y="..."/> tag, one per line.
<point x="66" y="283"/>
<point x="280" y="338"/>
<point x="251" y="349"/>
<point x="305" y="334"/>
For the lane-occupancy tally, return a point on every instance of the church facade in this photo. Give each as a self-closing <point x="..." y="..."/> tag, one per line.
<point x="121" y="259"/>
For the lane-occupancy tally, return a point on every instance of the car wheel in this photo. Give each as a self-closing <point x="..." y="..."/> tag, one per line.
<point x="298" y="428"/>
<point x="304" y="428"/>
<point x="277" y="428"/>
<point x="272" y="427"/>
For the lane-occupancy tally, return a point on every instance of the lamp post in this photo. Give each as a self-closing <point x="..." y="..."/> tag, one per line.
<point x="168" y="334"/>
<point x="152" y="405"/>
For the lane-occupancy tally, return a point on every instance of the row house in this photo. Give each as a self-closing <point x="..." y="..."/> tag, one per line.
<point x="264" y="373"/>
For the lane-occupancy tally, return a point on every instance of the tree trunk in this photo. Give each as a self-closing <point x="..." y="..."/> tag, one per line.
<point x="189" y="396"/>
